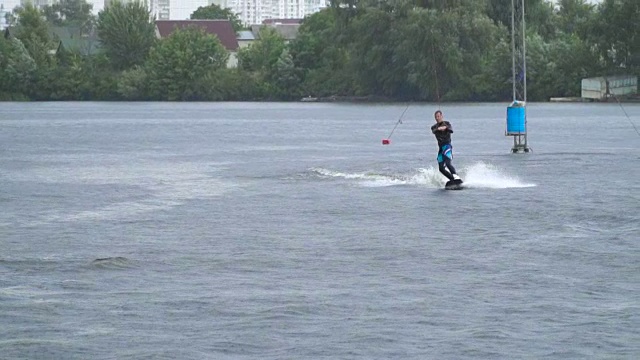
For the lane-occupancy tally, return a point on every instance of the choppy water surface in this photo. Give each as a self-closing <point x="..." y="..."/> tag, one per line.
<point x="271" y="231"/>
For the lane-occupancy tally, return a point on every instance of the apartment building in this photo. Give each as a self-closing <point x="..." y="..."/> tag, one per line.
<point x="161" y="9"/>
<point x="256" y="11"/>
<point x="249" y="11"/>
<point x="182" y="9"/>
<point x="38" y="3"/>
<point x="3" y="21"/>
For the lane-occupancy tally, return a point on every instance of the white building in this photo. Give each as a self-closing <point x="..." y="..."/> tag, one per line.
<point x="108" y="2"/>
<point x="38" y="3"/>
<point x="290" y="9"/>
<point x="160" y="9"/>
<point x="182" y="9"/>
<point x="256" y="11"/>
<point x="9" y="5"/>
<point x="175" y="9"/>
<point x="3" y="22"/>
<point x="249" y="11"/>
<point x="609" y="86"/>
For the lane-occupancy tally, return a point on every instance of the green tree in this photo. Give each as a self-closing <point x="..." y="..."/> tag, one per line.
<point x="573" y="60"/>
<point x="316" y="34"/>
<point x="494" y="82"/>
<point x="262" y="54"/>
<point x="261" y="59"/>
<point x="17" y="69"/>
<point x="432" y="55"/>
<point x="62" y="82"/>
<point x="556" y="68"/>
<point x="32" y="29"/>
<point x="287" y="77"/>
<point x="374" y="59"/>
<point x="616" y="36"/>
<point x="235" y="84"/>
<point x="74" y="13"/>
<point x="183" y="66"/>
<point x="444" y="50"/>
<point x="127" y="33"/>
<point x="132" y="84"/>
<point x="574" y="16"/>
<point x="215" y="12"/>
<point x="426" y="50"/>
<point x="539" y="15"/>
<point x="102" y="78"/>
<point x="321" y="58"/>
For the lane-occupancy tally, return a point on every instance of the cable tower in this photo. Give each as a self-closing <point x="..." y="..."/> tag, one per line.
<point x="517" y="111"/>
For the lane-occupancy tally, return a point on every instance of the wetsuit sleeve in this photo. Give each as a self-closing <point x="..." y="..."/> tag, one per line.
<point x="449" y="128"/>
<point x="434" y="128"/>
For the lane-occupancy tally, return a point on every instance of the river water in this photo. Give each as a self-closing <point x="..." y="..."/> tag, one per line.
<point x="288" y="231"/>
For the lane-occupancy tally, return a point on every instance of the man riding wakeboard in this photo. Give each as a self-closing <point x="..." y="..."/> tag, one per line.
<point x="442" y="130"/>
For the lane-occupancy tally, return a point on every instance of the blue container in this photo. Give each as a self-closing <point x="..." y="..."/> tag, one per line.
<point x="515" y="119"/>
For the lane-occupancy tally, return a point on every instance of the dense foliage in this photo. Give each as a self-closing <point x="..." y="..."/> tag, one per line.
<point x="456" y="50"/>
<point x="215" y="12"/>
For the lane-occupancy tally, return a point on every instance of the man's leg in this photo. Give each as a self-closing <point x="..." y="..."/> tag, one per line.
<point x="447" y="162"/>
<point x="447" y="156"/>
<point x="444" y="171"/>
<point x="441" y="166"/>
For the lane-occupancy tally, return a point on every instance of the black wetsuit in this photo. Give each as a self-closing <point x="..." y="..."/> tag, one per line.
<point x="445" y="150"/>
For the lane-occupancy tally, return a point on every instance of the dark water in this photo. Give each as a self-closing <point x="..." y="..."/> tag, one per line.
<point x="287" y="231"/>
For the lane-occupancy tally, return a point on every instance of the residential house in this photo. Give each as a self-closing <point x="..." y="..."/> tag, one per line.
<point x="245" y="38"/>
<point x="222" y="29"/>
<point x="74" y="39"/>
<point x="282" y="21"/>
<point x="287" y="28"/>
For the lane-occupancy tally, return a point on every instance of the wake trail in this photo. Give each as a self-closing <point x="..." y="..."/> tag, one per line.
<point x="483" y="175"/>
<point x="477" y="175"/>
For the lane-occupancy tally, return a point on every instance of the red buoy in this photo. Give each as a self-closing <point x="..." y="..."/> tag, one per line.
<point x="386" y="141"/>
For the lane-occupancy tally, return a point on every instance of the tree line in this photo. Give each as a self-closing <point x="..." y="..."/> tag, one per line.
<point x="421" y="50"/>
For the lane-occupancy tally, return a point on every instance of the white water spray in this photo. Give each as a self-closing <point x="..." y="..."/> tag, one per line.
<point x="478" y="175"/>
<point x="482" y="175"/>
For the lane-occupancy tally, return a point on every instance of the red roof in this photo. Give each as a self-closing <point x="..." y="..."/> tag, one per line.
<point x="281" y="21"/>
<point x="221" y="28"/>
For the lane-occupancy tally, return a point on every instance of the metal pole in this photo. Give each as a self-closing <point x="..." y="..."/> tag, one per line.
<point x="524" y="67"/>
<point x="513" y="48"/>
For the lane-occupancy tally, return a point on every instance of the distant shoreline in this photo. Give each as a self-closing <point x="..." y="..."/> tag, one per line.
<point x="626" y="99"/>
<point x="377" y="99"/>
<point x="358" y="100"/>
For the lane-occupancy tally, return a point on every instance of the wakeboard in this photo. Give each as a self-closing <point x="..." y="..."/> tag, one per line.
<point x="454" y="185"/>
